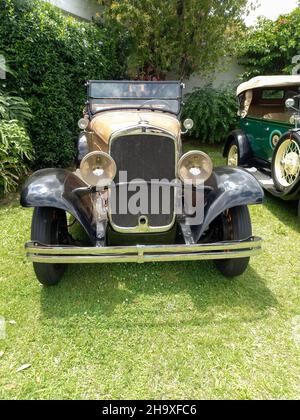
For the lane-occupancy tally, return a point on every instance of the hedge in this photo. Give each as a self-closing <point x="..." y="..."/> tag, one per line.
<point x="52" y="56"/>
<point x="214" y="112"/>
<point x="15" y="154"/>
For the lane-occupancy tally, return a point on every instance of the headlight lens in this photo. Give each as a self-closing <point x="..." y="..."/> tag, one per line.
<point x="195" y="166"/>
<point x="83" y="123"/>
<point x="98" y="168"/>
<point x="188" y="124"/>
<point x="290" y="103"/>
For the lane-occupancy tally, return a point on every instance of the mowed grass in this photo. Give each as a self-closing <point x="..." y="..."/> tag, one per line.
<point x="169" y="330"/>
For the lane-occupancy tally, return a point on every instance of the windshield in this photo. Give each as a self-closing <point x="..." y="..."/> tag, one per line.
<point x="162" y="96"/>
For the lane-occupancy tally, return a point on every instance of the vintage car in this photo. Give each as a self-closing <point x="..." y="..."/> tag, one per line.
<point x="267" y="142"/>
<point x="135" y="194"/>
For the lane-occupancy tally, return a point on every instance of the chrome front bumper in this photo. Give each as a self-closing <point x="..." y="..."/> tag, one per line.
<point x="55" y="254"/>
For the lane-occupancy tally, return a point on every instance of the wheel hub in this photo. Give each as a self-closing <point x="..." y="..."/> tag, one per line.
<point x="291" y="163"/>
<point x="287" y="163"/>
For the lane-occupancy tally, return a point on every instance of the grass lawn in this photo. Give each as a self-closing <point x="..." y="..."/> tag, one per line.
<point x="169" y="330"/>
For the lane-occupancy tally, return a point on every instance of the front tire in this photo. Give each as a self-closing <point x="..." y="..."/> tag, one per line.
<point x="286" y="162"/>
<point x="234" y="224"/>
<point x="49" y="227"/>
<point x="233" y="155"/>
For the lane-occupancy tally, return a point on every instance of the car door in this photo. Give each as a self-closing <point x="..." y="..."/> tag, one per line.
<point x="266" y="149"/>
<point x="253" y="127"/>
<point x="271" y="134"/>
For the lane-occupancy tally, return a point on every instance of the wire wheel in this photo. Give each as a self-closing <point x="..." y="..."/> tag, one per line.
<point x="287" y="163"/>
<point x="233" y="156"/>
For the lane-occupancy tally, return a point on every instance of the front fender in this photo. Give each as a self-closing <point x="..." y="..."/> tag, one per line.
<point x="55" y="188"/>
<point x="233" y="187"/>
<point x="245" y="151"/>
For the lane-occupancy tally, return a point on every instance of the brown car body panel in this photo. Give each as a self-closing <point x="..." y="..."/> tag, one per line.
<point x="108" y="122"/>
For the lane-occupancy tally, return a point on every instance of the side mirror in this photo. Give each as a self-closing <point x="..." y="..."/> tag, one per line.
<point x="290" y="103"/>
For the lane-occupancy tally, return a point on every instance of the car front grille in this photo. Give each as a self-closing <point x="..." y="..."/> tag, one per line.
<point x="148" y="157"/>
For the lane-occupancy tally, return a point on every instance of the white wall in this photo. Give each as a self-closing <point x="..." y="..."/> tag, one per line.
<point x="84" y="9"/>
<point x="227" y="74"/>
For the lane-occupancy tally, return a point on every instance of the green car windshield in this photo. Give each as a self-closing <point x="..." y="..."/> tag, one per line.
<point x="160" y="96"/>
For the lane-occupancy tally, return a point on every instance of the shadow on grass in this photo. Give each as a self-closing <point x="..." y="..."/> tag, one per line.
<point x="285" y="211"/>
<point x="100" y="290"/>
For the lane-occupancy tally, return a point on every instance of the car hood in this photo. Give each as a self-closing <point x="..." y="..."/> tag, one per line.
<point x="107" y="123"/>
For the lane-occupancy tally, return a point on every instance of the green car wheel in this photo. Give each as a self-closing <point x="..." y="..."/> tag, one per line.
<point x="286" y="162"/>
<point x="233" y="154"/>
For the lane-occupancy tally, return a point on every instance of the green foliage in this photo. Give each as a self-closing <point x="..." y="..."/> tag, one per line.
<point x="15" y="152"/>
<point x="182" y="36"/>
<point x="52" y="56"/>
<point x="4" y="67"/>
<point x="14" y="108"/>
<point x="214" y="112"/>
<point x="15" y="144"/>
<point x="269" y="47"/>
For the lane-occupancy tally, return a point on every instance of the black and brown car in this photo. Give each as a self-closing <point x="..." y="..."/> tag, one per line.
<point x="135" y="194"/>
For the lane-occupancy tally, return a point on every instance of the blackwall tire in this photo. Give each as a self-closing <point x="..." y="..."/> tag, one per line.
<point x="49" y="226"/>
<point x="235" y="225"/>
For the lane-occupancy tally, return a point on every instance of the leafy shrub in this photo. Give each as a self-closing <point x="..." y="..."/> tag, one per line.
<point x="15" y="152"/>
<point x="15" y="144"/>
<point x="214" y="112"/>
<point x="269" y="47"/>
<point x="14" y="108"/>
<point x="52" y="56"/>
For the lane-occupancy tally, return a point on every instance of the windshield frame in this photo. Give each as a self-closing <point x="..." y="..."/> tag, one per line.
<point x="178" y="98"/>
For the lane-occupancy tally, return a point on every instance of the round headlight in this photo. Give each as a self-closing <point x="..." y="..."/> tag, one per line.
<point x="195" y="166"/>
<point x="188" y="124"/>
<point x="83" y="123"/>
<point x="290" y="103"/>
<point x="98" y="168"/>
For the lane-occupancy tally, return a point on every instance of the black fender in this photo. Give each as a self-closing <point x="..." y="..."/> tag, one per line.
<point x="245" y="151"/>
<point x="233" y="187"/>
<point x="57" y="188"/>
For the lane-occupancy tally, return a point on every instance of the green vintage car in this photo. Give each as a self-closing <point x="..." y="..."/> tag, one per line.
<point x="267" y="142"/>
